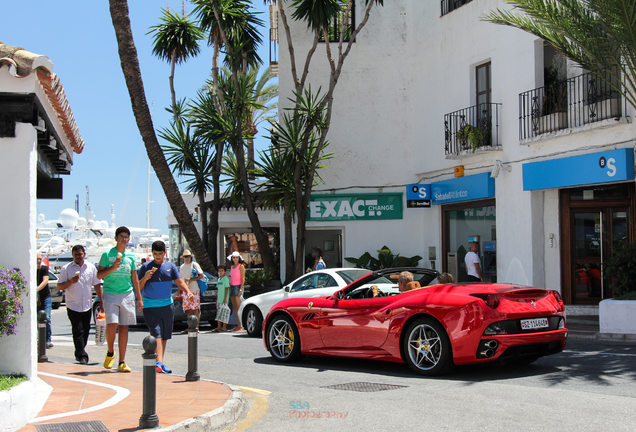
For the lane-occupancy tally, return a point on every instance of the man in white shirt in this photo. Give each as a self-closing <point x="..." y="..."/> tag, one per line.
<point x="473" y="264"/>
<point x="76" y="280"/>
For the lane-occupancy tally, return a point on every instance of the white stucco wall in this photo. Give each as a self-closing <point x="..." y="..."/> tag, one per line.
<point x="18" y="353"/>
<point x="408" y="68"/>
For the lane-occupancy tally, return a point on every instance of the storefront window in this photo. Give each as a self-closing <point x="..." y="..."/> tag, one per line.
<point x="465" y="223"/>
<point x="247" y="246"/>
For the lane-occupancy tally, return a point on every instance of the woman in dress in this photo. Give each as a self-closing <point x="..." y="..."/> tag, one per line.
<point x="237" y="281"/>
<point x="191" y="272"/>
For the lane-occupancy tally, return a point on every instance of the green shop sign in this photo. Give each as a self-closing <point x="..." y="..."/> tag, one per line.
<point x="355" y="207"/>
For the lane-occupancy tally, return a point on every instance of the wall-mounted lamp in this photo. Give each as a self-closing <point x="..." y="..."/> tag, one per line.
<point x="498" y="167"/>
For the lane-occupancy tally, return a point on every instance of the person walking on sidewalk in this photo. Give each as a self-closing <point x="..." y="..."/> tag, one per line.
<point x="155" y="280"/>
<point x="118" y="271"/>
<point x="45" y="302"/>
<point x="237" y="281"/>
<point x="191" y="273"/>
<point x="76" y="280"/>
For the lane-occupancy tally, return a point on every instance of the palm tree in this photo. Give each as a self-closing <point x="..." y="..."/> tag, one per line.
<point x="192" y="158"/>
<point x="599" y="35"/>
<point x="175" y="39"/>
<point x="132" y="74"/>
<point x="266" y="108"/>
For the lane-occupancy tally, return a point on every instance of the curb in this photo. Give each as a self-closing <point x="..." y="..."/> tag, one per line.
<point x="215" y="420"/>
<point x="621" y="337"/>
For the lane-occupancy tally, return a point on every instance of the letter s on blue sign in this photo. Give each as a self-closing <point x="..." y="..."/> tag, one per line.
<point x="611" y="167"/>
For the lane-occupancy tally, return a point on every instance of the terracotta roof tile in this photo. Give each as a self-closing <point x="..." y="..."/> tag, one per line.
<point x="22" y="63"/>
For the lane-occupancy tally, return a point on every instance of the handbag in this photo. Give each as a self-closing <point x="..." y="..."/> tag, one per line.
<point x="202" y="283"/>
<point x="223" y="313"/>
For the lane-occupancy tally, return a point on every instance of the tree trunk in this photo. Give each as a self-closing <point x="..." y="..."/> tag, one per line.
<point x="261" y="236"/>
<point x="289" y="242"/>
<point x="132" y="74"/>
<point x="213" y="229"/>
<point x="173" y="62"/>
<point x="203" y="214"/>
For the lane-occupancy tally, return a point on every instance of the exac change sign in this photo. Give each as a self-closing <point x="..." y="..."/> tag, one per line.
<point x="355" y="207"/>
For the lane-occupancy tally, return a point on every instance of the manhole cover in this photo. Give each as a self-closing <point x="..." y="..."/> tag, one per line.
<point x="83" y="426"/>
<point x="364" y="387"/>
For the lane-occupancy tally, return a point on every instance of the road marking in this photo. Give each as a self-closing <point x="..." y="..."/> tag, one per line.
<point x="258" y="408"/>
<point x="120" y="394"/>
<point x="259" y="391"/>
<point x="599" y="352"/>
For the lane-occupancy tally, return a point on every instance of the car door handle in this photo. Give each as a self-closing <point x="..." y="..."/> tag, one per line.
<point x="388" y="311"/>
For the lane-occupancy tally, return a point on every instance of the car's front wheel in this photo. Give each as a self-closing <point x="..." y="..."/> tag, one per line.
<point x="427" y="349"/>
<point x="253" y="321"/>
<point x="283" y="339"/>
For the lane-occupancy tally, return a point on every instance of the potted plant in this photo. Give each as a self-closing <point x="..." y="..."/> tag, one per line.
<point x="555" y="99"/>
<point x="385" y="259"/>
<point x="471" y="134"/>
<point x="258" y="280"/>
<point x="12" y="285"/>
<point x="616" y="315"/>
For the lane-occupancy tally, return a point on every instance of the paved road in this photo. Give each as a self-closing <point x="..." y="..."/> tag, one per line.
<point x="590" y="386"/>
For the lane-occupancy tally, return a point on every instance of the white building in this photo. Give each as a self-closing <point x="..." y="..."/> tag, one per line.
<point x="561" y="156"/>
<point x="38" y="137"/>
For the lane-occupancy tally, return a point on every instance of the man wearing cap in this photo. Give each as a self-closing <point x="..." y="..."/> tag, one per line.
<point x="155" y="282"/>
<point x="191" y="273"/>
<point x="76" y="280"/>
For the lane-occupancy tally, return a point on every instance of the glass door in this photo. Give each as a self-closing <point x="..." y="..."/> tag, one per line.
<point x="594" y="234"/>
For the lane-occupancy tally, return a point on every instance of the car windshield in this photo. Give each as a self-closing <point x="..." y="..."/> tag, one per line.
<point x="353" y="274"/>
<point x="52" y="276"/>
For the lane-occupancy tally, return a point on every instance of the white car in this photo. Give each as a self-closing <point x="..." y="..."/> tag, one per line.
<point x="315" y="284"/>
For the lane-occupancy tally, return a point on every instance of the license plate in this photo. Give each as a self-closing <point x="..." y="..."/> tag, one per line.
<point x="536" y="323"/>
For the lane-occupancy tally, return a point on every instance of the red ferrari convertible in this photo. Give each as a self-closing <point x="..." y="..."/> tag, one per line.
<point x="431" y="328"/>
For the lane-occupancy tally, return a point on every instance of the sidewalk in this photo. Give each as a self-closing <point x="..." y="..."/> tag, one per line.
<point x="93" y="394"/>
<point x="582" y="326"/>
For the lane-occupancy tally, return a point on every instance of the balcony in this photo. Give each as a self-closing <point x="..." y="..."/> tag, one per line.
<point x="570" y="103"/>
<point x="450" y="5"/>
<point x="472" y="129"/>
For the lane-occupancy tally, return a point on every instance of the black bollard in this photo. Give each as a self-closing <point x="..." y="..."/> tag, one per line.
<point x="193" y="349"/>
<point x="149" y="418"/>
<point x="42" y="337"/>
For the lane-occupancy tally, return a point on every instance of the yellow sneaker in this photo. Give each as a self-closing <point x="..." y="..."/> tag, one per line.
<point x="123" y="367"/>
<point x="109" y="360"/>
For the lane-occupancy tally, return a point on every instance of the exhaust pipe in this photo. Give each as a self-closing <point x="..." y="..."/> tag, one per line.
<point x="487" y="348"/>
<point x="491" y="344"/>
<point x="488" y="353"/>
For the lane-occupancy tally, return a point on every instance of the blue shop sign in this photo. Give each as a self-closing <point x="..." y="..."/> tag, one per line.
<point x="603" y="167"/>
<point x="418" y="195"/>
<point x="463" y="189"/>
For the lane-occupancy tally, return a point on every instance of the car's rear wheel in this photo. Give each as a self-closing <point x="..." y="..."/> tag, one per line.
<point x="283" y="339"/>
<point x="427" y="349"/>
<point x="252" y="321"/>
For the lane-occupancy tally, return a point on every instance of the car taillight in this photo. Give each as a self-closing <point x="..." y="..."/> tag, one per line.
<point x="557" y="296"/>
<point x="495" y="329"/>
<point x="490" y="299"/>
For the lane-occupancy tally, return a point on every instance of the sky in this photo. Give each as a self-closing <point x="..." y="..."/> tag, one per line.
<point x="78" y="37"/>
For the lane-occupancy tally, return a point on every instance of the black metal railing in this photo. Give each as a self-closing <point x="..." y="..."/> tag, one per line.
<point x="569" y="103"/>
<point x="472" y="128"/>
<point x="450" y="5"/>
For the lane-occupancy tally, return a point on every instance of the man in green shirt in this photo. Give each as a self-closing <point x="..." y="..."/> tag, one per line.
<point x="118" y="269"/>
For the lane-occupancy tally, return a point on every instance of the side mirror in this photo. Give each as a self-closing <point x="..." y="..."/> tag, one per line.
<point x="339" y="295"/>
<point x="287" y="288"/>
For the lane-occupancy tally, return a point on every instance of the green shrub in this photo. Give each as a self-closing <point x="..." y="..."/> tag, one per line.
<point x="385" y="259"/>
<point x="621" y="269"/>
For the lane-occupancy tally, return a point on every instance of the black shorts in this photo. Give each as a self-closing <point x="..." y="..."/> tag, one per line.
<point x="160" y="321"/>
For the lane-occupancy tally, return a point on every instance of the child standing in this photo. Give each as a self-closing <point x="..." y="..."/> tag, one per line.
<point x="222" y="309"/>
